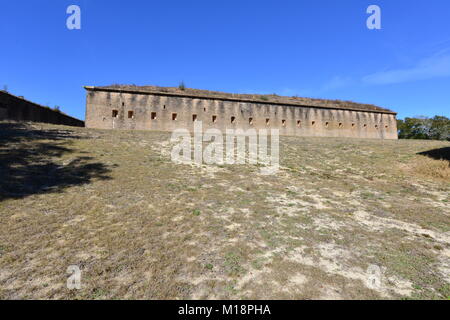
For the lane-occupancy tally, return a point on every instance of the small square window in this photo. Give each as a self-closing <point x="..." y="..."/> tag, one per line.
<point x="214" y="119"/>
<point x="233" y="119"/>
<point x="174" y="116"/>
<point x="194" y="117"/>
<point x="115" y="113"/>
<point x="153" y="115"/>
<point x="299" y="123"/>
<point x="130" y="115"/>
<point x="340" y="125"/>
<point x="313" y="123"/>
<point x="267" y="122"/>
<point x="250" y="121"/>
<point x="283" y="123"/>
<point x="326" y="124"/>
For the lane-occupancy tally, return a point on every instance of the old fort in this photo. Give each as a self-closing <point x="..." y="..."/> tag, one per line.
<point x="166" y="109"/>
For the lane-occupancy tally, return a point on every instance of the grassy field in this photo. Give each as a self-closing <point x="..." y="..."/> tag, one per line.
<point x="140" y="226"/>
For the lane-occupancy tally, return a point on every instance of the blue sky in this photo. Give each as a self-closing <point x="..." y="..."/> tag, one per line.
<point x="312" y="48"/>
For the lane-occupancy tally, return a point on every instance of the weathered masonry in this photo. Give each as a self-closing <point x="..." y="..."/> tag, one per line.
<point x="19" y="109"/>
<point x="166" y="109"/>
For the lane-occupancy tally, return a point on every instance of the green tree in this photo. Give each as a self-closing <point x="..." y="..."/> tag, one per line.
<point x="437" y="128"/>
<point x="440" y="128"/>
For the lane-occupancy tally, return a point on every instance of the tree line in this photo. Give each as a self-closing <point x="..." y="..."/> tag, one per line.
<point x="436" y="128"/>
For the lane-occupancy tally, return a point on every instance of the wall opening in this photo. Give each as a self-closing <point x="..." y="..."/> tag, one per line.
<point x="204" y="109"/>
<point x="153" y="115"/>
<point x="115" y="113"/>
<point x="283" y="123"/>
<point x="386" y="127"/>
<point x="194" y="117"/>
<point x="123" y="104"/>
<point x="214" y="119"/>
<point x="365" y="125"/>
<point x="326" y="124"/>
<point x="313" y="123"/>
<point x="267" y="122"/>
<point x="353" y="125"/>
<point x="250" y="121"/>
<point x="376" y="126"/>
<point x="233" y="119"/>
<point x="299" y="123"/>
<point x="130" y="114"/>
<point x="340" y="125"/>
<point x="174" y="116"/>
<point x="164" y="107"/>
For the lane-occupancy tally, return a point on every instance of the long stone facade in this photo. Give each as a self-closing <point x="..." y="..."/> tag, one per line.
<point x="137" y="108"/>
<point x="19" y="109"/>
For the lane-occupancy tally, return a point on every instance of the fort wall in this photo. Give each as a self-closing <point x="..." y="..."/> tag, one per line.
<point x="20" y="109"/>
<point x="116" y="109"/>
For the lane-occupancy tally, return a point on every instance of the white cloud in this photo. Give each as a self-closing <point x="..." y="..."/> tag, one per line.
<point x="436" y="66"/>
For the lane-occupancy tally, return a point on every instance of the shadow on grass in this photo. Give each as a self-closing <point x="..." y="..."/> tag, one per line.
<point x="438" y="154"/>
<point x="27" y="164"/>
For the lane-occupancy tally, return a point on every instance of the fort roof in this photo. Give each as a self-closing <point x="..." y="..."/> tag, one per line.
<point x="250" y="98"/>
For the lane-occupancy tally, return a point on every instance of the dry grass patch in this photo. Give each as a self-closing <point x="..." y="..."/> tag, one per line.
<point x="140" y="226"/>
<point x="430" y="168"/>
